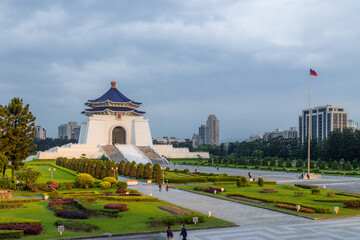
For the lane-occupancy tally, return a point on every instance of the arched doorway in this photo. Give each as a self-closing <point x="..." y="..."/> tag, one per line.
<point x="119" y="136"/>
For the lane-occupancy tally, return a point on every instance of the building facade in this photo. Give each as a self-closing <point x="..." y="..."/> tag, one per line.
<point x="69" y="130"/>
<point x="40" y="132"/>
<point x="293" y="132"/>
<point x="213" y="124"/>
<point x="324" y="119"/>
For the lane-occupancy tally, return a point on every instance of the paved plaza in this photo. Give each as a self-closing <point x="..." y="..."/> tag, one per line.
<point x="257" y="223"/>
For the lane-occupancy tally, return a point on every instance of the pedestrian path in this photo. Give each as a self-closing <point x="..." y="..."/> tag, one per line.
<point x="240" y="214"/>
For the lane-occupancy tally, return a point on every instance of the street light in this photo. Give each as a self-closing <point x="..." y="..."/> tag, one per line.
<point x="52" y="173"/>
<point x="163" y="168"/>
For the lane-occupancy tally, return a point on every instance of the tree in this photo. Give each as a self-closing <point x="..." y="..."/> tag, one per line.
<point x="18" y="127"/>
<point x="355" y="164"/>
<point x="133" y="168"/>
<point x="148" y="171"/>
<point x="322" y="165"/>
<point x="288" y="163"/>
<point x="3" y="162"/>
<point x="27" y="176"/>
<point x="122" y="167"/>
<point x="335" y="165"/>
<point x="140" y="171"/>
<point x="157" y="172"/>
<point x="127" y="169"/>
<point x="299" y="163"/>
<point x="348" y="166"/>
<point x="280" y="162"/>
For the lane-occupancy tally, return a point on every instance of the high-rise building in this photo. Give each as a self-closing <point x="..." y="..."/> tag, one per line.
<point x="70" y="130"/>
<point x="213" y="124"/>
<point x="278" y="132"/>
<point x="40" y="132"/>
<point x="204" y="134"/>
<point x="353" y="125"/>
<point x="324" y="119"/>
<point x="196" y="140"/>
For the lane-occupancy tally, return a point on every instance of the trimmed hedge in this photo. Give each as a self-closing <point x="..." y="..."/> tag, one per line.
<point x="27" y="229"/>
<point x="348" y="194"/>
<point x="174" y="220"/>
<point x="128" y="199"/>
<point x="292" y="207"/>
<point x="265" y="182"/>
<point x="64" y="169"/>
<point x="77" y="226"/>
<point x="306" y="186"/>
<point x="355" y="204"/>
<point x="331" y="200"/>
<point x="186" y="180"/>
<point x="201" y="188"/>
<point x="118" y="206"/>
<point x="11" y="234"/>
<point x="84" y="204"/>
<point x="71" y="214"/>
<point x="18" y="221"/>
<point x="11" y="205"/>
<point x="20" y="200"/>
<point x="224" y="183"/>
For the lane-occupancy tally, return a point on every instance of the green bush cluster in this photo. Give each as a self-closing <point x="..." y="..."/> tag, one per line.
<point x="175" y="220"/>
<point x="20" y="200"/>
<point x="261" y="182"/>
<point x="77" y="226"/>
<point x="105" y="185"/>
<point x="84" y="205"/>
<point x="95" y="167"/>
<point x="9" y="234"/>
<point x="18" y="221"/>
<point x="305" y="186"/>
<point x="315" y="191"/>
<point x="84" y="180"/>
<point x="55" y="195"/>
<point x="11" y="205"/>
<point x="121" y="185"/>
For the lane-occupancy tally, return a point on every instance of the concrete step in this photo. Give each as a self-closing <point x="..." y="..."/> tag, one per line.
<point x="112" y="152"/>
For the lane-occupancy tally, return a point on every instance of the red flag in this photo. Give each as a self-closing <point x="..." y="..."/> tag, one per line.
<point x="312" y="72"/>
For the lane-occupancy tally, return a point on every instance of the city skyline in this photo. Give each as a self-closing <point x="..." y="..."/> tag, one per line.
<point x="182" y="60"/>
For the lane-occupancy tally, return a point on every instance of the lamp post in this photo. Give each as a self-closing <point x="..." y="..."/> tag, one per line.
<point x="52" y="173"/>
<point x="163" y="168"/>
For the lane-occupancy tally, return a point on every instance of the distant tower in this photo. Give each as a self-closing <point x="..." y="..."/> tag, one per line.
<point x="213" y="124"/>
<point x="40" y="132"/>
<point x="204" y="134"/>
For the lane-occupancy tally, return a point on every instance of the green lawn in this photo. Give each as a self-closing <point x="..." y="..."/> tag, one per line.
<point x="59" y="176"/>
<point x="133" y="220"/>
<point x="285" y="195"/>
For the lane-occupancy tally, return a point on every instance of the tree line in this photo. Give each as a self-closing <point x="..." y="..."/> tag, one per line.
<point x="339" y="145"/>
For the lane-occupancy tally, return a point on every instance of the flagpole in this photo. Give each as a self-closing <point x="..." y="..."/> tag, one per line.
<point x="309" y="126"/>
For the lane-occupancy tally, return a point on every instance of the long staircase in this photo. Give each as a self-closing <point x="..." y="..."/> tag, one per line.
<point x="152" y="155"/>
<point x="113" y="153"/>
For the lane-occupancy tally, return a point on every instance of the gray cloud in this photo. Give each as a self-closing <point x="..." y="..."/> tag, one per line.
<point x="245" y="61"/>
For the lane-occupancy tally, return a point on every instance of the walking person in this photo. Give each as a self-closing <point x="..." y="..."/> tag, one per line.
<point x="169" y="233"/>
<point x="160" y="186"/>
<point x="167" y="185"/>
<point x="183" y="232"/>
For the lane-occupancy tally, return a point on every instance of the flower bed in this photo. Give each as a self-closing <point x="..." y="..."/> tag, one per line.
<point x="118" y="206"/>
<point x="28" y="229"/>
<point x="268" y="190"/>
<point x="84" y="205"/>
<point x="77" y="226"/>
<point x="71" y="214"/>
<point x="121" y="191"/>
<point x="61" y="202"/>
<point x="292" y="207"/>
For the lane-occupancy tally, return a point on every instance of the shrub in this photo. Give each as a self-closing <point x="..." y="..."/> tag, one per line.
<point x="121" y="185"/>
<point x="292" y="207"/>
<point x="71" y="215"/>
<point x="354" y="204"/>
<point x="157" y="172"/>
<point x="261" y="182"/>
<point x="330" y="194"/>
<point x="134" y="191"/>
<point x="268" y="190"/>
<point x="265" y="182"/>
<point x="315" y="191"/>
<point x="11" y="205"/>
<point x="76" y="226"/>
<point x="148" y="171"/>
<point x="298" y="194"/>
<point x="122" y="191"/>
<point x="118" y="206"/>
<point x="174" y="220"/>
<point x="84" y="180"/>
<point x="111" y="180"/>
<point x="61" y="202"/>
<point x="186" y="171"/>
<point x="127" y="169"/>
<point x="140" y="171"/>
<point x="18" y="221"/>
<point x="306" y="186"/>
<point x="9" y="234"/>
<point x="108" y="193"/>
<point x="133" y="169"/>
<point x="200" y="188"/>
<point x="122" y="167"/>
<point x="239" y="183"/>
<point x="105" y="185"/>
<point x="5" y="183"/>
<point x="55" y="195"/>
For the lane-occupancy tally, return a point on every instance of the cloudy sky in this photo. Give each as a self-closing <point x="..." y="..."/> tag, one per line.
<point x="245" y="61"/>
